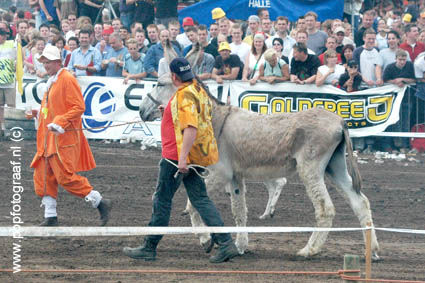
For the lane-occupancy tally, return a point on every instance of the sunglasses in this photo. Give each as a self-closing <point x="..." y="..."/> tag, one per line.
<point x="277" y="44"/>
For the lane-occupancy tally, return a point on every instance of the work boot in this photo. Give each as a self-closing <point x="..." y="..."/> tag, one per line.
<point x="50" y="221"/>
<point x="147" y="251"/>
<point x="225" y="252"/>
<point x="104" y="208"/>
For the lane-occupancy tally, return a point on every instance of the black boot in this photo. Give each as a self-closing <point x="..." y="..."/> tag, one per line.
<point x="147" y="251"/>
<point x="226" y="251"/>
<point x="104" y="208"/>
<point x="50" y="221"/>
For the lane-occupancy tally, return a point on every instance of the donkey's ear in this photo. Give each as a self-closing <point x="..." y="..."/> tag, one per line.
<point x="165" y="79"/>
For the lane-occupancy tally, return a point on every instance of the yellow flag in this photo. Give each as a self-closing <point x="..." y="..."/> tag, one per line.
<point x="19" y="68"/>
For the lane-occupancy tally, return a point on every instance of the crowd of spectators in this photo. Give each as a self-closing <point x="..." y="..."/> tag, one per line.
<point x="387" y="47"/>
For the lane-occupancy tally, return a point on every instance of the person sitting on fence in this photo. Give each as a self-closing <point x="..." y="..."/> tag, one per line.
<point x="133" y="62"/>
<point x="274" y="69"/>
<point x="330" y="72"/>
<point x="303" y="66"/>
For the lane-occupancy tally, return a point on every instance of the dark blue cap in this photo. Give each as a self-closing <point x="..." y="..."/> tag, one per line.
<point x="181" y="67"/>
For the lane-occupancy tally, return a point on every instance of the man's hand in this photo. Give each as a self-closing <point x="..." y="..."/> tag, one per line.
<point x="161" y="109"/>
<point x="379" y="82"/>
<point x="183" y="166"/>
<point x="55" y="128"/>
<point x="219" y="80"/>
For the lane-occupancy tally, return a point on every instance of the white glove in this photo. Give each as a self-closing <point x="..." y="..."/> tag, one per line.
<point x="56" y="129"/>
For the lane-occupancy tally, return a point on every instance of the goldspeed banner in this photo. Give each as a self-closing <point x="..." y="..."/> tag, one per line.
<point x="112" y="107"/>
<point x="366" y="112"/>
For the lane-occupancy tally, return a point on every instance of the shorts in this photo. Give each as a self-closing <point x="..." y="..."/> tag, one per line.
<point x="8" y="96"/>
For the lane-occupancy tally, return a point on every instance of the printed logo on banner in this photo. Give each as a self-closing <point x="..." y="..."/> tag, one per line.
<point x="99" y="102"/>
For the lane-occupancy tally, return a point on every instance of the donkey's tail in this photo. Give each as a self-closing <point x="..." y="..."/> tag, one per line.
<point x="352" y="164"/>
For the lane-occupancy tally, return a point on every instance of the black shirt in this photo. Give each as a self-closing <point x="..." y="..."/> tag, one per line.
<point x="393" y="72"/>
<point x="225" y="67"/>
<point x="356" y="82"/>
<point x="166" y="9"/>
<point x="306" y="69"/>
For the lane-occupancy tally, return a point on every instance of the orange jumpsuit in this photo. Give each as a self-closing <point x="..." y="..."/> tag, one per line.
<point x="66" y="153"/>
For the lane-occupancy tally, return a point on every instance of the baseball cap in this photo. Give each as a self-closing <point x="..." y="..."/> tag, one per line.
<point x="188" y="21"/>
<point x="339" y="29"/>
<point x="109" y="31"/>
<point x="407" y="18"/>
<point x="224" y="46"/>
<point x="352" y="63"/>
<point x="181" y="67"/>
<point x="217" y="13"/>
<point x="50" y="53"/>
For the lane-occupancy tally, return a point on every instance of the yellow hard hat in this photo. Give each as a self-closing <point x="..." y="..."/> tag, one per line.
<point x="217" y="13"/>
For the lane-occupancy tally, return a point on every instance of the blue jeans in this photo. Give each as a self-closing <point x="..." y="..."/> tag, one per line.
<point x="127" y="18"/>
<point x="196" y="191"/>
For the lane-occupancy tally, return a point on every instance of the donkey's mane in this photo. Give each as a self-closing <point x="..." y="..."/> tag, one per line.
<point x="212" y="97"/>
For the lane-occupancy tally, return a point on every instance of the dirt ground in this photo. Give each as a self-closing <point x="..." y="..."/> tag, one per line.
<point x="128" y="175"/>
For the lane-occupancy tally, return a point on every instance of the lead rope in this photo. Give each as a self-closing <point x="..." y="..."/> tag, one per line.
<point x="203" y="175"/>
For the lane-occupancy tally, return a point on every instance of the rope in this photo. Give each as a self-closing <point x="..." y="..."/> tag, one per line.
<point x="204" y="174"/>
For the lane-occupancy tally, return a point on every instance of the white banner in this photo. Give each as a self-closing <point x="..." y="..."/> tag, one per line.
<point x="112" y="106"/>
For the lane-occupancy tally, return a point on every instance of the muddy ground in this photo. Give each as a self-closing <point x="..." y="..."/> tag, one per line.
<point x="127" y="175"/>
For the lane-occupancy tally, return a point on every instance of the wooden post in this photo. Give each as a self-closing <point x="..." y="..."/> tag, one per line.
<point x="351" y="262"/>
<point x="368" y="251"/>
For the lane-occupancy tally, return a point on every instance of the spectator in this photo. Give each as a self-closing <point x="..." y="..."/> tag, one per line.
<point x="73" y="44"/>
<point x="282" y="33"/>
<point x="203" y="40"/>
<point x="303" y="66"/>
<point x="367" y="23"/>
<point x="141" y="39"/>
<point x="213" y="31"/>
<point x="64" y="26"/>
<point x="22" y="27"/>
<point x="59" y="42"/>
<point x="174" y="29"/>
<point x="204" y="66"/>
<point x="330" y="72"/>
<point x="266" y="27"/>
<point x="27" y="50"/>
<point x="103" y="46"/>
<point x="7" y="78"/>
<point x="125" y="33"/>
<point x="133" y="63"/>
<point x="192" y="35"/>
<point x="330" y="45"/>
<point x="254" y="60"/>
<point x="237" y="46"/>
<point x="44" y="32"/>
<point x="135" y="26"/>
<point x="127" y="9"/>
<point x="224" y="28"/>
<point x="39" y="69"/>
<point x="400" y="73"/>
<point x="66" y="7"/>
<point x="412" y="45"/>
<point x="227" y="66"/>
<point x="347" y="54"/>
<point x="274" y="69"/>
<point x="278" y="46"/>
<point x="421" y="21"/>
<point x="116" y="25"/>
<point x="90" y="8"/>
<point x="152" y="35"/>
<point x="351" y="80"/>
<point x="114" y="59"/>
<point x="85" y="60"/>
<point x="254" y="26"/>
<point x="155" y="53"/>
<point x="421" y="37"/>
<point x="369" y="60"/>
<point x="316" y="38"/>
<point x="166" y="11"/>
<point x="388" y="54"/>
<point x="301" y="37"/>
<point x="98" y="29"/>
<point x="381" y="36"/>
<point x="72" y="20"/>
<point x="49" y="13"/>
<point x="183" y="38"/>
<point x="339" y="34"/>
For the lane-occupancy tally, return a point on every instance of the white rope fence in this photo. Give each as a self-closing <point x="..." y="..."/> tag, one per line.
<point x="34" y="231"/>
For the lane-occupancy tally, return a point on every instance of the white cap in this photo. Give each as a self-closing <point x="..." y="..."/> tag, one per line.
<point x="50" y="53"/>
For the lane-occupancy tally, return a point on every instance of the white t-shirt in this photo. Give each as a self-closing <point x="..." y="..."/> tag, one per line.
<point x="420" y="66"/>
<point x="368" y="60"/>
<point x="183" y="40"/>
<point x="242" y="50"/>
<point x="339" y="70"/>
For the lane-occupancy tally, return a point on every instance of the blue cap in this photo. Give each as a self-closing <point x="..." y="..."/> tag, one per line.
<point x="181" y="67"/>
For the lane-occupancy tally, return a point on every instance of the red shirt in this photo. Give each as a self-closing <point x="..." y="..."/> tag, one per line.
<point x="413" y="52"/>
<point x="168" y="136"/>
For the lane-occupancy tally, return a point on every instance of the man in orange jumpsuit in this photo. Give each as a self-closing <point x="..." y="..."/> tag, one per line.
<point x="62" y="149"/>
